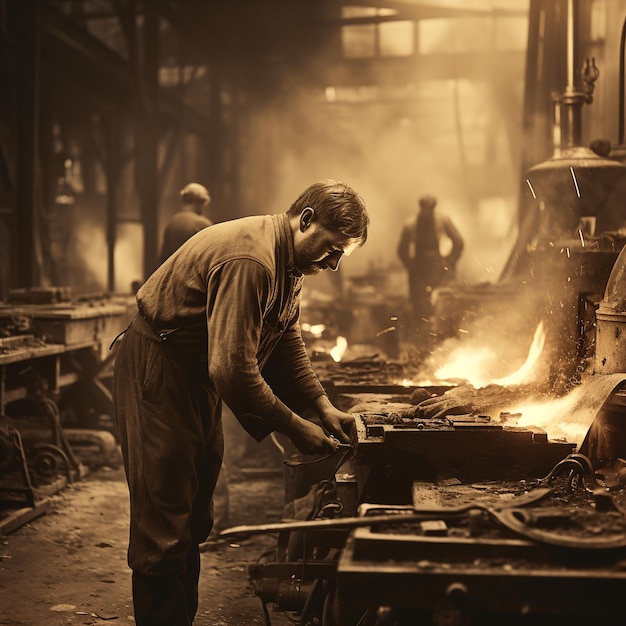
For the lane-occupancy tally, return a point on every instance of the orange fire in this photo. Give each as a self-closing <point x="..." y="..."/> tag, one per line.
<point x="476" y="366"/>
<point x="526" y="373"/>
<point x="339" y="348"/>
<point x="557" y="417"/>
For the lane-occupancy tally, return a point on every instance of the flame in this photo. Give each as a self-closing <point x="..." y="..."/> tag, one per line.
<point x="469" y="364"/>
<point x="556" y="417"/>
<point x="339" y="349"/>
<point x="524" y="373"/>
<point x="476" y="365"/>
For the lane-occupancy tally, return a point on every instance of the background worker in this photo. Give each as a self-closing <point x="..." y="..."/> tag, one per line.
<point x="195" y="200"/>
<point x="218" y="321"/>
<point x="421" y="250"/>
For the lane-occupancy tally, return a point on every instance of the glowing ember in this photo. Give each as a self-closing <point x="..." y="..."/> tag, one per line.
<point x="338" y="350"/>
<point x="315" y="329"/>
<point x="424" y="382"/>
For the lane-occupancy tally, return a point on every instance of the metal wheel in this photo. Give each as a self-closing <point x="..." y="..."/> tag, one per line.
<point x="49" y="466"/>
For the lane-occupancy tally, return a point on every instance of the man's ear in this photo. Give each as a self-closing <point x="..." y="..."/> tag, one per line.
<point x="306" y="217"/>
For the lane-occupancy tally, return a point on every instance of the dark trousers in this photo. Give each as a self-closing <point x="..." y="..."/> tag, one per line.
<point x="169" y="419"/>
<point x="167" y="599"/>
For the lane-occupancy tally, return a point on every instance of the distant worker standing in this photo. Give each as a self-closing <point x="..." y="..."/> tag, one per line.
<point x="195" y="199"/>
<point x="422" y="250"/>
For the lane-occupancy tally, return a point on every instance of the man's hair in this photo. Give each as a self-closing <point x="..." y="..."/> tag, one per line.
<point x="337" y="207"/>
<point x="194" y="192"/>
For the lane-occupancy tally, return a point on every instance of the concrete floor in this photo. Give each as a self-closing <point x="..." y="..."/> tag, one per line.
<point x="68" y="566"/>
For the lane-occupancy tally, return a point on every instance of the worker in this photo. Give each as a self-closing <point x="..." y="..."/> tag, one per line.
<point x="421" y="249"/>
<point x="218" y="321"/>
<point x="195" y="199"/>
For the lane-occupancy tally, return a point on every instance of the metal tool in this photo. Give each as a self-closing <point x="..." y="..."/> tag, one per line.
<point x="417" y="515"/>
<point x="342" y="453"/>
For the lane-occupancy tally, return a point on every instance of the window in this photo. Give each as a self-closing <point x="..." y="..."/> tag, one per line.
<point x="372" y="32"/>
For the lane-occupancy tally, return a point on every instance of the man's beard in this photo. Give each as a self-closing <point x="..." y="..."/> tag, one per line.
<point x="307" y="265"/>
<point x="313" y="268"/>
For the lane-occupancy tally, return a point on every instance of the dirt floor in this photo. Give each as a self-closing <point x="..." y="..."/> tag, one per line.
<point x="68" y="566"/>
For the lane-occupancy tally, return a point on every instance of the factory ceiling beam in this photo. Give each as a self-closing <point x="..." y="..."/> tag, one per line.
<point x="246" y="32"/>
<point x="113" y="68"/>
<point x="423" y="11"/>
<point x="409" y="70"/>
<point x="194" y="8"/>
<point x="110" y="65"/>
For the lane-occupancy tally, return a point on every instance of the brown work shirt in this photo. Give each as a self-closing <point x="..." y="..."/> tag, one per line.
<point x="231" y="294"/>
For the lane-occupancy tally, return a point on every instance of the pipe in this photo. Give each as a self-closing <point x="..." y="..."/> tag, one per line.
<point x="571" y="79"/>
<point x="622" y="45"/>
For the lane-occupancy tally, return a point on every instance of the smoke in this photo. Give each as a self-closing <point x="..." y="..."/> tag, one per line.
<point x="394" y="152"/>
<point x="86" y="256"/>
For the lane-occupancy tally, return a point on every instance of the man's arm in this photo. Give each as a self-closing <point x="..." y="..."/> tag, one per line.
<point x="289" y="371"/>
<point x="291" y="375"/>
<point x="236" y="298"/>
<point x="456" y="239"/>
<point x="404" y="246"/>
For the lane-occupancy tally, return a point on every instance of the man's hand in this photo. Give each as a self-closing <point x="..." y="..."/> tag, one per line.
<point x="336" y="422"/>
<point x="308" y="437"/>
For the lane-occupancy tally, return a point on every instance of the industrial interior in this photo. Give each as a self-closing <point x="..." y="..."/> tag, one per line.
<point x="485" y="484"/>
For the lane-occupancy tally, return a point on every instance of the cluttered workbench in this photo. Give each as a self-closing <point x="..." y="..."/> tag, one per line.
<point x="56" y="414"/>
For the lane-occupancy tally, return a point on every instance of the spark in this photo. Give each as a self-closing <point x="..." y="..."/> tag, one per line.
<point x="571" y="169"/>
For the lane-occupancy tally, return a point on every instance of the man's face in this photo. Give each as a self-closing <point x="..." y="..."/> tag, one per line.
<point x="317" y="249"/>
